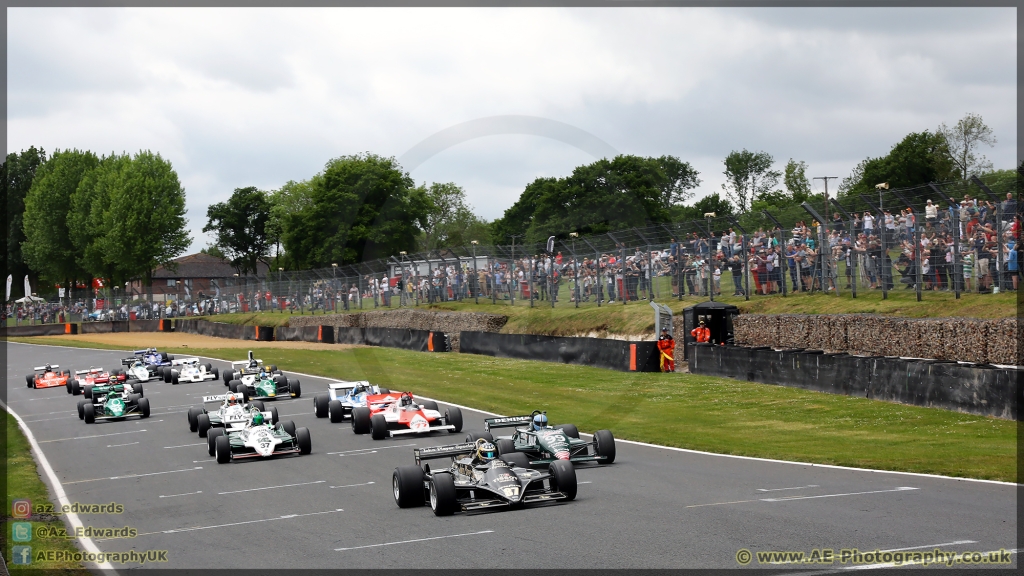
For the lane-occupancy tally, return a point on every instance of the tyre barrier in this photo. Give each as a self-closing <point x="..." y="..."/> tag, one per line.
<point x="323" y="334"/>
<point x="407" y="339"/>
<point x="39" y="330"/>
<point x="980" y="389"/>
<point x="103" y="327"/>
<point x="144" y="325"/>
<point x="621" y="355"/>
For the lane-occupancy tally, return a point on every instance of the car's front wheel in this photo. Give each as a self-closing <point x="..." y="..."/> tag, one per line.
<point x="223" y="449"/>
<point x="563" y="476"/>
<point x="211" y="440"/>
<point x="407" y="485"/>
<point x="443" y="500"/>
<point x="336" y="411"/>
<point x="361" y="420"/>
<point x="378" y="427"/>
<point x="203" y="425"/>
<point x="604" y="445"/>
<point x="304" y="440"/>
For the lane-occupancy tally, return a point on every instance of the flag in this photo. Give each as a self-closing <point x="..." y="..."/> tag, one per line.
<point x="10" y="280"/>
<point x="28" y="288"/>
<point x="551" y="245"/>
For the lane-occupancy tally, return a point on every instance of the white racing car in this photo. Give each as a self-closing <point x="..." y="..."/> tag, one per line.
<point x="190" y="370"/>
<point x="258" y="438"/>
<point x="232" y="414"/>
<point x="247" y="371"/>
<point x="136" y="369"/>
<point x="342" y="397"/>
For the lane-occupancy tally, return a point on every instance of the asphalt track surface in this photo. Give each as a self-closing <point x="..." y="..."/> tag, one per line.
<point x="652" y="508"/>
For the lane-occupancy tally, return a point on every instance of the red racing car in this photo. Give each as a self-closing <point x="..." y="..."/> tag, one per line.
<point x="383" y="416"/>
<point x="84" y="380"/>
<point x="48" y="377"/>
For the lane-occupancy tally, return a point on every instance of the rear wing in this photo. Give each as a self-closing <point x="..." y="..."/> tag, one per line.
<point x="129" y="361"/>
<point x="146" y="351"/>
<point x="509" y="422"/>
<point x="449" y="451"/>
<point x="382" y="399"/>
<point x="183" y="361"/>
<point x="89" y="371"/>
<point x="341" y="384"/>
<point x="44" y="367"/>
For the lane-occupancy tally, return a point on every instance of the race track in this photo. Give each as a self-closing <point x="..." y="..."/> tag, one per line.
<point x="652" y="508"/>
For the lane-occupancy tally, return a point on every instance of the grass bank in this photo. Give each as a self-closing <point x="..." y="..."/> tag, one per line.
<point x="23" y="482"/>
<point x="686" y="411"/>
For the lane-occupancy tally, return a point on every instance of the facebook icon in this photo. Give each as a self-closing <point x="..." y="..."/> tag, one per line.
<point x="21" y="554"/>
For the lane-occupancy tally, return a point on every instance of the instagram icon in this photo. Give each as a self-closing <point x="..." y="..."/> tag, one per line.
<point x="21" y="508"/>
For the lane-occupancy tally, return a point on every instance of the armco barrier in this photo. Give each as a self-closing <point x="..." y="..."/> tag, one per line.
<point x="599" y="352"/>
<point x="975" y="389"/>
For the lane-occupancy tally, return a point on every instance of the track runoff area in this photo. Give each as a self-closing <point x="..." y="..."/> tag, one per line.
<point x="334" y="508"/>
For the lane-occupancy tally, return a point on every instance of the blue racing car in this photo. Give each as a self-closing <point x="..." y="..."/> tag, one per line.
<point x="342" y="397"/>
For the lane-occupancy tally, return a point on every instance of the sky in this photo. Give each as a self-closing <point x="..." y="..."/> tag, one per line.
<point x="257" y="97"/>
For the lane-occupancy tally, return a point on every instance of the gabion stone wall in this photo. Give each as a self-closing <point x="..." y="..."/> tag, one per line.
<point x="965" y="339"/>
<point x="450" y="323"/>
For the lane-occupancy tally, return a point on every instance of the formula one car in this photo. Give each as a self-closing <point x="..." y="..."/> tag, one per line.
<point x="266" y="386"/>
<point x="258" y="439"/>
<point x="155" y="360"/>
<point x="135" y="369"/>
<point x="114" y="402"/>
<point x="232" y="414"/>
<point x="544" y="444"/>
<point x="247" y="370"/>
<point x="383" y="416"/>
<point x="85" y="380"/>
<point x="48" y="377"/>
<point x="342" y="397"/>
<point x="190" y="370"/>
<point x="477" y="480"/>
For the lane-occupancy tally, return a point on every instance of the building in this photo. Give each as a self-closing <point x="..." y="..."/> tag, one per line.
<point x="197" y="273"/>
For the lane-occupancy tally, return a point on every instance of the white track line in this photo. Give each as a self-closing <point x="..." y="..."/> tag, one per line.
<point x="788" y="498"/>
<point x="185" y="494"/>
<point x="49" y="419"/>
<point x="353" y="485"/>
<point x="271" y="487"/>
<point x="794" y="488"/>
<point x="119" y="445"/>
<point x="416" y="540"/>
<point x="137" y="475"/>
<point x="635" y="443"/>
<point x="371" y="449"/>
<point x="93" y="436"/>
<point x="194" y="528"/>
<point x="183" y="445"/>
<point x="58" y="489"/>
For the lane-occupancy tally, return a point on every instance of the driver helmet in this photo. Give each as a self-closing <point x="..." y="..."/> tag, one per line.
<point x="263" y="373"/>
<point x="485" y="451"/>
<point x="540" y="421"/>
<point x="257" y="419"/>
<point x="406" y="400"/>
<point x="232" y="400"/>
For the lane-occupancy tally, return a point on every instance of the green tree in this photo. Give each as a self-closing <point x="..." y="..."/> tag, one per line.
<point x="916" y="160"/>
<point x="450" y="219"/>
<point x="710" y="203"/>
<point x="795" y="179"/>
<point x="362" y="207"/>
<point x="680" y="180"/>
<point x="962" y="142"/>
<point x="518" y="217"/>
<point x="215" y="251"/>
<point x="748" y="174"/>
<point x="291" y="198"/>
<point x="18" y="171"/>
<point x="88" y="220"/>
<point x="240" y="225"/>
<point x="48" y="247"/>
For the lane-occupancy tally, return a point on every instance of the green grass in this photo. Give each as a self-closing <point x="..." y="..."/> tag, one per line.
<point x="23" y="481"/>
<point x="698" y="412"/>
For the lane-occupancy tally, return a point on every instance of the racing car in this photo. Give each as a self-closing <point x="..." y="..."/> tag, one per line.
<point x="245" y="370"/>
<point x="258" y="439"/>
<point x="190" y="370"/>
<point x="342" y="397"/>
<point x="85" y="380"/>
<point x="478" y="480"/>
<point x="232" y="414"/>
<point x="383" y="416"/>
<point x="544" y="444"/>
<point x="266" y="385"/>
<point x="48" y="377"/>
<point x="113" y="402"/>
<point x="135" y="369"/>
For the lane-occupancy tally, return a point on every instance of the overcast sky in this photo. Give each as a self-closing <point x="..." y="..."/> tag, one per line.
<point x="257" y="97"/>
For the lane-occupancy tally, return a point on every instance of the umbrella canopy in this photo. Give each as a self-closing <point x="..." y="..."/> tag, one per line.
<point x="29" y="299"/>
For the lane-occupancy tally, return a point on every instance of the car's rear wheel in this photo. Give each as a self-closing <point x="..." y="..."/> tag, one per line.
<point x="516" y="459"/>
<point x="504" y="446"/>
<point x="86" y="390"/>
<point x="429" y="405"/>
<point x="305" y="442"/>
<point x="378" y="427"/>
<point x="443" y="499"/>
<point x="563" y="478"/>
<point x="203" y="425"/>
<point x="570" y="430"/>
<point x="144" y="407"/>
<point x="320" y="402"/>
<point x="30" y="379"/>
<point x="274" y="419"/>
<point x="407" y="486"/>
<point x="474" y="436"/>
<point x="174" y="376"/>
<point x="229" y="375"/>
<point x="605" y="445"/>
<point x="258" y="404"/>
<point x="216" y="373"/>
<point x="76" y="389"/>
<point x="294" y="388"/>
<point x="164" y="357"/>
<point x="81" y="409"/>
<point x="167" y="374"/>
<point x="289" y="427"/>
<point x="133" y="399"/>
<point x="336" y="411"/>
<point x="209" y="367"/>
<point x="211" y="440"/>
<point x="453" y="415"/>
<point x="193" y="418"/>
<point x="89" y="413"/>
<point x="243" y="390"/>
<point x="273" y="368"/>
<point x="223" y="449"/>
<point x="385" y="391"/>
<point x="67" y="384"/>
<point x="137" y="388"/>
<point x="361" y="420"/>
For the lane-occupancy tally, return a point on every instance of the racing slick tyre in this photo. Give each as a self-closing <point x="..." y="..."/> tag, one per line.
<point x="320" y="402"/>
<point x="570" y="430"/>
<point x="164" y="357"/>
<point x="193" y="418"/>
<point x="167" y="374"/>
<point x="30" y="379"/>
<point x="222" y="447"/>
<point x="216" y="373"/>
<point x="137" y="387"/>
<point x="274" y="418"/>
<point x="244" y="391"/>
<point x="407" y="484"/>
<point x="273" y="368"/>
<point x="385" y="391"/>
<point x="294" y="388"/>
<point x="76" y="389"/>
<point x="86" y="390"/>
<point x="67" y="384"/>
<point x="203" y="425"/>
<point x="563" y="478"/>
<point x="211" y="440"/>
<point x="81" y="409"/>
<point x="289" y="427"/>
<point x="209" y="367"/>
<point x="336" y="411"/>
<point x="304" y="441"/>
<point x="442" y="494"/>
<point x="66" y="372"/>
<point x="174" y="376"/>
<point x="604" y="445"/>
<point x="517" y="459"/>
<point x="259" y="405"/>
<point x="504" y="446"/>
<point x="474" y="436"/>
<point x="453" y="416"/>
<point x="89" y="413"/>
<point x="361" y="420"/>
<point x="133" y="399"/>
<point x="234" y="384"/>
<point x="429" y="405"/>
<point x="144" y="407"/>
<point x="229" y="375"/>
<point x="378" y="427"/>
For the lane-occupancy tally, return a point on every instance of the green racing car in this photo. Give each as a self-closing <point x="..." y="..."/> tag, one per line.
<point x="114" y="402"/>
<point x="544" y="444"/>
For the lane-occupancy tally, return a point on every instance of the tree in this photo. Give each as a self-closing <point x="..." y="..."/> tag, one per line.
<point x="450" y="220"/>
<point x="18" y="171"/>
<point x="795" y="179"/>
<point x="710" y="203"/>
<point x="916" y="160"/>
<point x="291" y="198"/>
<point x="519" y="216"/>
<point x="48" y="248"/>
<point x="680" y="179"/>
<point x="215" y="251"/>
<point x="240" y="225"/>
<point x="362" y="207"/>
<point x="748" y="174"/>
<point x="962" y="142"/>
<point x="88" y="219"/>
